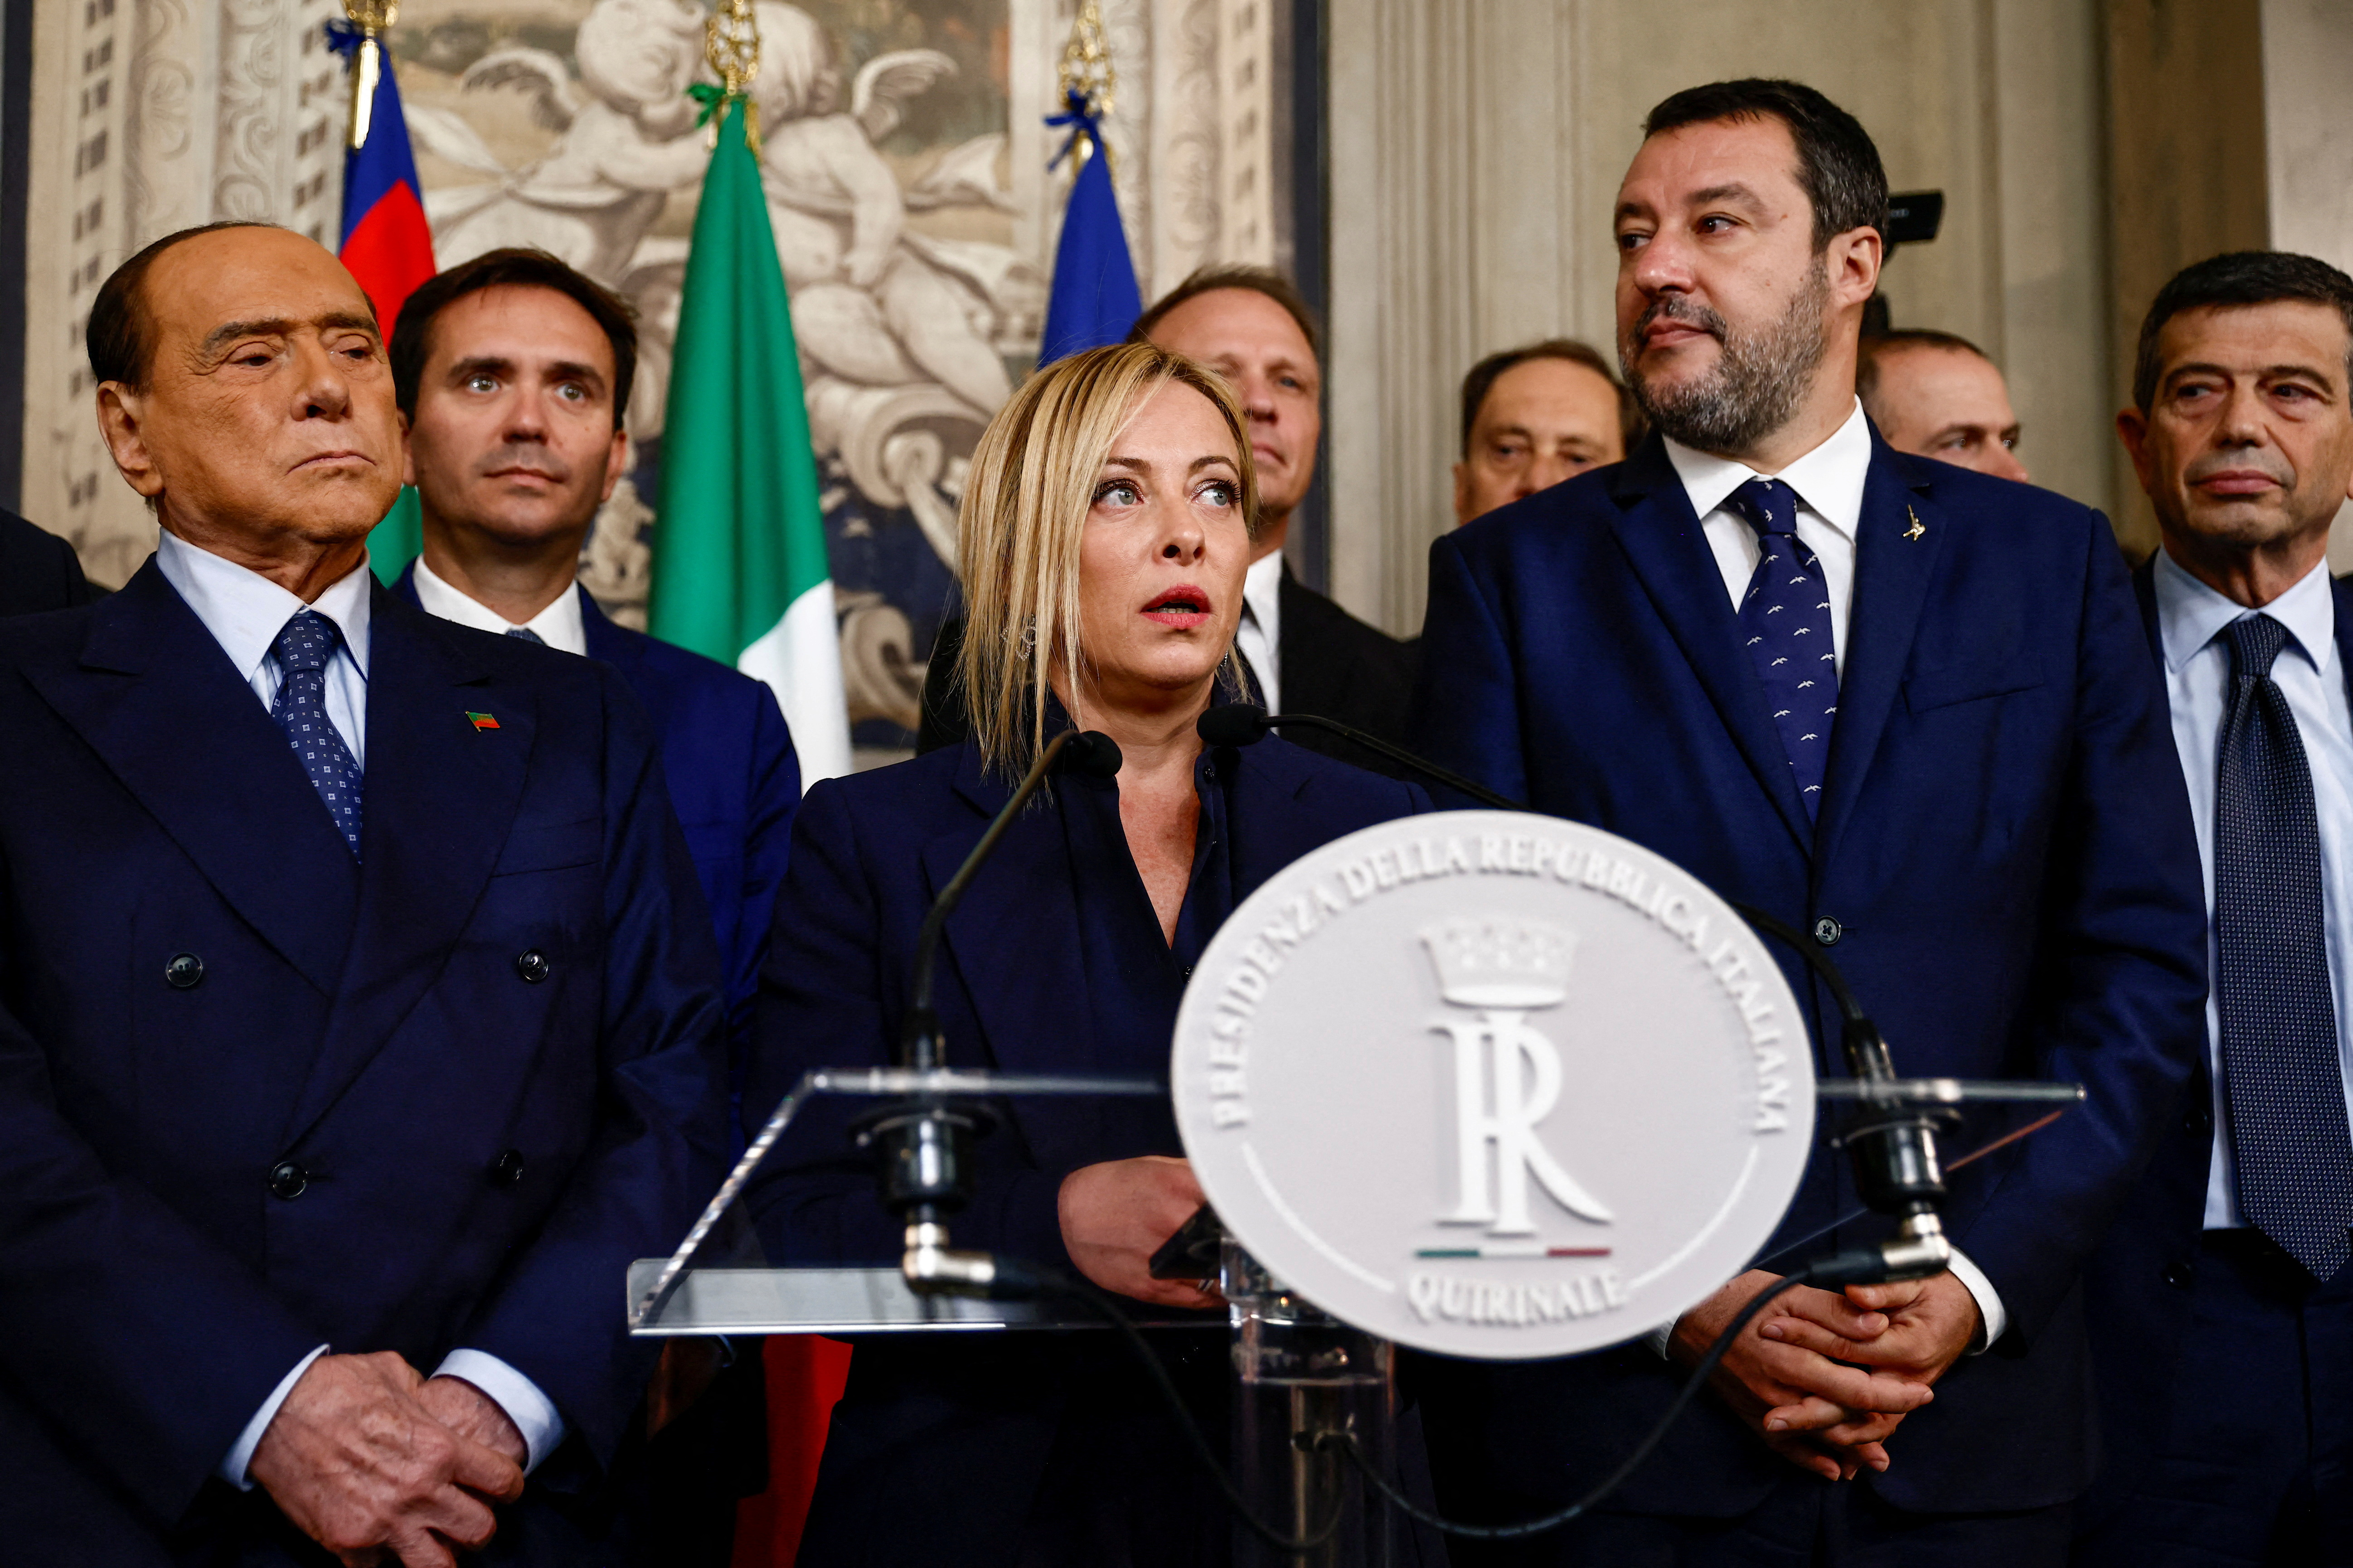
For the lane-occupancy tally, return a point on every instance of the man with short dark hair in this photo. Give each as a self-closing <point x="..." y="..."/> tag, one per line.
<point x="358" y="1019"/>
<point x="1534" y="415"/>
<point x="513" y="373"/>
<point x="1906" y="710"/>
<point x="2222" y="1309"/>
<point x="1935" y="395"/>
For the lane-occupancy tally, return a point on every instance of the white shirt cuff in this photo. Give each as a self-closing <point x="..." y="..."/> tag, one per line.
<point x="1989" y="1300"/>
<point x="534" y="1414"/>
<point x="240" y="1459"/>
<point x="1994" y="1319"/>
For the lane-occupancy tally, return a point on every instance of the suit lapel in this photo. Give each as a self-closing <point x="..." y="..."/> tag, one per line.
<point x="604" y="641"/>
<point x="1014" y="940"/>
<point x="2340" y="590"/>
<point x="159" y="702"/>
<point x="440" y="797"/>
<point x="1892" y="568"/>
<point x="1663" y="541"/>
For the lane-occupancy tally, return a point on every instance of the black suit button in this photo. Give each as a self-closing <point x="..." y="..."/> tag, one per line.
<point x="2178" y="1274"/>
<point x="506" y="1171"/>
<point x="185" y="972"/>
<point x="531" y="965"/>
<point x="1827" y="931"/>
<point x="288" y="1180"/>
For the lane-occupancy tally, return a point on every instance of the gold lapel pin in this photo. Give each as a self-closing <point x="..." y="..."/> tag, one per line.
<point x="1917" y="529"/>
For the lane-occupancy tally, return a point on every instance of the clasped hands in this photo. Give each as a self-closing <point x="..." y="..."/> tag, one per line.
<point x="1826" y="1377"/>
<point x="377" y="1463"/>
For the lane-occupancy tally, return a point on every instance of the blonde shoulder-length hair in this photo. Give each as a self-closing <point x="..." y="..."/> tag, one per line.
<point x="1026" y="502"/>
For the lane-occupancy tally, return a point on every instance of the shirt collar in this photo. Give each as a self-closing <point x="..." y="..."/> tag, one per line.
<point x="1829" y="479"/>
<point x="2190" y="614"/>
<point x="245" y="611"/>
<point x="1262" y="587"/>
<point x="560" y="625"/>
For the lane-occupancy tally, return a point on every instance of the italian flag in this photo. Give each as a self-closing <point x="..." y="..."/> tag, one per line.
<point x="739" y="568"/>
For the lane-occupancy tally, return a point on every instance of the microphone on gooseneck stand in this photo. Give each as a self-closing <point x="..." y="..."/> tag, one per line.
<point x="1894" y="1144"/>
<point x="925" y="1140"/>
<point x="1246" y="724"/>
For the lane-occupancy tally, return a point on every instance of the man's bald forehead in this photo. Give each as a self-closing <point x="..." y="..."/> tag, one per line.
<point x="121" y="332"/>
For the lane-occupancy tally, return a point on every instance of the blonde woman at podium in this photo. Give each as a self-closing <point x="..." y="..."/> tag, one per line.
<point x="1104" y="531"/>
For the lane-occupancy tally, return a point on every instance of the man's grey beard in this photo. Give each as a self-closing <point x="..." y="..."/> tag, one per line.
<point x="1759" y="378"/>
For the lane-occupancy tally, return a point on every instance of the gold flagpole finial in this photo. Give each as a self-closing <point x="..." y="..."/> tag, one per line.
<point x="731" y="42"/>
<point x="368" y="19"/>
<point x="1085" y="82"/>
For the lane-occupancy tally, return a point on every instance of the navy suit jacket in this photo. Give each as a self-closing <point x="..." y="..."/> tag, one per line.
<point x="733" y="778"/>
<point x="491" y="1046"/>
<point x="2139" y="1287"/>
<point x="2004" y="861"/>
<point x="990" y="1421"/>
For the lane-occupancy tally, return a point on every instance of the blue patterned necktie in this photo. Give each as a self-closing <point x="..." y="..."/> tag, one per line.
<point x="303" y="646"/>
<point x="1785" y="619"/>
<point x="2283" y="1088"/>
<point x="527" y="635"/>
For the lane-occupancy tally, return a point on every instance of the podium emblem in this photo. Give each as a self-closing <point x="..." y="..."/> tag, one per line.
<point x="1493" y="1085"/>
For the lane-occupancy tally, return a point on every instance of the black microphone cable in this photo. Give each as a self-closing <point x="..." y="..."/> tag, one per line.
<point x="1016" y="1279"/>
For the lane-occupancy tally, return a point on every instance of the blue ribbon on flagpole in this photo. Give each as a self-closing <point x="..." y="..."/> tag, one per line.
<point x="342" y="37"/>
<point x="1084" y="123"/>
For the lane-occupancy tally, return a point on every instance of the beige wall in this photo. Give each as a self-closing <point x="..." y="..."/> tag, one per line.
<point x="1476" y="144"/>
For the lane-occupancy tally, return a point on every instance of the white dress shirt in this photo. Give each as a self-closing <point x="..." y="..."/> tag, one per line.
<point x="1259" y="637"/>
<point x="245" y="612"/>
<point x="560" y="625"/>
<point x="1827" y="482"/>
<point x="2191" y="617"/>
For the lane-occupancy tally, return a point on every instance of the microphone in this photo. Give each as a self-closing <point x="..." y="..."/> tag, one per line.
<point x="925" y="1140"/>
<point x="1246" y="724"/>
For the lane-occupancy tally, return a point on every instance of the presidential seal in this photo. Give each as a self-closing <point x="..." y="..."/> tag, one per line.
<point x="1493" y="1085"/>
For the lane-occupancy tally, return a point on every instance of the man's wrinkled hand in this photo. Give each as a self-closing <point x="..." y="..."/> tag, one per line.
<point x="1829" y="1419"/>
<point x="1928" y="1324"/>
<point x="354" y="1459"/>
<point x="471" y="1414"/>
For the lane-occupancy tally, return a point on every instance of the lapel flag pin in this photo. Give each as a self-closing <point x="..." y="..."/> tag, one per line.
<point x="481" y="720"/>
<point x="1917" y="528"/>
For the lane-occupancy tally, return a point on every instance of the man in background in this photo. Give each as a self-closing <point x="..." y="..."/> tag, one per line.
<point x="358" y="1017"/>
<point x="513" y="372"/>
<point x="1305" y="653"/>
<point x="1534" y="415"/>
<point x="1936" y="395"/>
<point x="2221" y="1307"/>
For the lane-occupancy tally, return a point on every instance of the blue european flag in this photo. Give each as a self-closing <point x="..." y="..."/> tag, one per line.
<point x="1095" y="300"/>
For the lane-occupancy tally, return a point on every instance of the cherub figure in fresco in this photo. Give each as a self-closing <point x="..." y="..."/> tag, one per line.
<point x="869" y="297"/>
<point x="626" y="141"/>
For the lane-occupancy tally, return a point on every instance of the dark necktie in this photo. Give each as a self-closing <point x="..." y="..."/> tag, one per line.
<point x="303" y="647"/>
<point x="1785" y="619"/>
<point x="2283" y="1088"/>
<point x="527" y="635"/>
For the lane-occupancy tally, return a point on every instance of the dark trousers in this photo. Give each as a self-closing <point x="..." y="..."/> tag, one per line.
<point x="1806" y="1522"/>
<point x="2256" y="1464"/>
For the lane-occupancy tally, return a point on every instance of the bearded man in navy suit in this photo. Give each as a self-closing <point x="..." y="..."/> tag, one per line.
<point x="359" y="1016"/>
<point x="1907" y="708"/>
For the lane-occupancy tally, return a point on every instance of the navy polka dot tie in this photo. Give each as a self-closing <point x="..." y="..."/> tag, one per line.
<point x="527" y="635"/>
<point x="2282" y="1088"/>
<point x="303" y="647"/>
<point x="1785" y="619"/>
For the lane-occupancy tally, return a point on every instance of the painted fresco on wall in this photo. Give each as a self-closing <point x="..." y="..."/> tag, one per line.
<point x="565" y="125"/>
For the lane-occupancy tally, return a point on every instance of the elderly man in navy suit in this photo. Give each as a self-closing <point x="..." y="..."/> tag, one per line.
<point x="362" y="1020"/>
<point x="2222" y="1309"/>
<point x="1907" y="708"/>
<point x="512" y="371"/>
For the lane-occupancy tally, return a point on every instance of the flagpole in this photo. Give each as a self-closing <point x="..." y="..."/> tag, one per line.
<point x="368" y="19"/>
